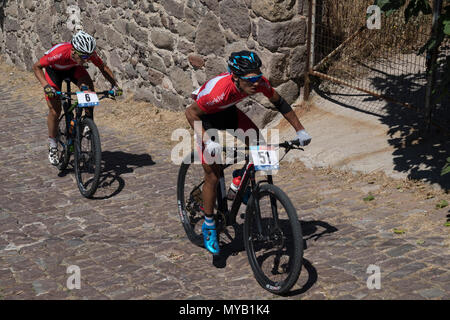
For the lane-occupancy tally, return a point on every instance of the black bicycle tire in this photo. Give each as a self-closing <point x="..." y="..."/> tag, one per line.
<point x="65" y="154"/>
<point x="195" y="238"/>
<point x="288" y="283"/>
<point x="96" y="146"/>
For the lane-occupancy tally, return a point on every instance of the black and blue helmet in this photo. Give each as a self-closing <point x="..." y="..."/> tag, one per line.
<point x="243" y="62"/>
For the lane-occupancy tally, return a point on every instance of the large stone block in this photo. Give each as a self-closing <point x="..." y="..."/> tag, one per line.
<point x="157" y="63"/>
<point x="214" y="66"/>
<point x="297" y="62"/>
<point x="181" y="81"/>
<point x="185" y="30"/>
<point x="289" y="91"/>
<point x="155" y="77"/>
<point x="275" y="67"/>
<point x="171" y="101"/>
<point x="174" y="8"/>
<point x="212" y="5"/>
<point x="209" y="39"/>
<point x="114" y="38"/>
<point x="196" y="61"/>
<point x="163" y="39"/>
<point x="11" y="25"/>
<point x="44" y="32"/>
<point x="281" y="34"/>
<point x="275" y="11"/>
<point x="256" y="111"/>
<point x="234" y="15"/>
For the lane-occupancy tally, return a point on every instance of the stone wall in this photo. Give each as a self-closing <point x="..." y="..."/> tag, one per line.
<point x="164" y="49"/>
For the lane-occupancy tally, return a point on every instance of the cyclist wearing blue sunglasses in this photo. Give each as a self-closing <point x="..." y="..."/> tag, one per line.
<point x="215" y="107"/>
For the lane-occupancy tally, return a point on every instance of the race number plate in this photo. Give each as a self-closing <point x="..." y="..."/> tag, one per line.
<point x="87" y="99"/>
<point x="264" y="158"/>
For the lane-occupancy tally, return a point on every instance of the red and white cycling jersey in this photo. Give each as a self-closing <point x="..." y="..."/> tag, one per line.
<point x="220" y="93"/>
<point x="59" y="57"/>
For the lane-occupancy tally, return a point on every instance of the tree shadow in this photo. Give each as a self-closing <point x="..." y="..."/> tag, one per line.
<point x="419" y="153"/>
<point x="311" y="231"/>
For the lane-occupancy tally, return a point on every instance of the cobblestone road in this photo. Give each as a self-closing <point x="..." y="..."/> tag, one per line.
<point x="129" y="244"/>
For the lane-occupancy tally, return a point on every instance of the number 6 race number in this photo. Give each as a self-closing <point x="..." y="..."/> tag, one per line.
<point x="87" y="99"/>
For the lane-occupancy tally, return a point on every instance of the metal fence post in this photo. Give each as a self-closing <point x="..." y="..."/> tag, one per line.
<point x="309" y="48"/>
<point x="431" y="67"/>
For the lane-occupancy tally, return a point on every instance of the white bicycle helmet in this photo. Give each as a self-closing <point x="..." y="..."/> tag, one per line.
<point x="83" y="42"/>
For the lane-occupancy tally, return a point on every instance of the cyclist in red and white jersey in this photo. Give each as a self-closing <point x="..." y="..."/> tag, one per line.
<point x="65" y="60"/>
<point x="215" y="108"/>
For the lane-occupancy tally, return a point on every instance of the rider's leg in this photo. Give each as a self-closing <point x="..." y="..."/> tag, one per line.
<point x="54" y="111"/>
<point x="212" y="174"/>
<point x="54" y="79"/>
<point x="54" y="106"/>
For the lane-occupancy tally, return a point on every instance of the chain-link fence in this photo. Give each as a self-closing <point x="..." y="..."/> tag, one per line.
<point x="363" y="68"/>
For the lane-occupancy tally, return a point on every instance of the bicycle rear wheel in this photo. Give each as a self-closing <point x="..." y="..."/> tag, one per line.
<point x="275" y="250"/>
<point x="62" y="141"/>
<point x="189" y="198"/>
<point x="88" y="157"/>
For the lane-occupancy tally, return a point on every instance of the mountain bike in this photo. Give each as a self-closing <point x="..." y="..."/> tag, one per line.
<point x="78" y="135"/>
<point x="272" y="233"/>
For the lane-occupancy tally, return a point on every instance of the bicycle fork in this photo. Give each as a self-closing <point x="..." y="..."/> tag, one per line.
<point x="263" y="234"/>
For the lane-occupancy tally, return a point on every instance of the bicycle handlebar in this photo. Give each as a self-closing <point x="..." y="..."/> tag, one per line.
<point x="105" y="93"/>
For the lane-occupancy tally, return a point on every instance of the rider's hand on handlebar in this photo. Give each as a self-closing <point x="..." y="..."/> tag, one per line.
<point x="117" y="91"/>
<point x="303" y="137"/>
<point x="49" y="91"/>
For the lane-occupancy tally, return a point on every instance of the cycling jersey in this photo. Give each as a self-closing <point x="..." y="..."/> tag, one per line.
<point x="221" y="92"/>
<point x="59" y="57"/>
<point x="59" y="65"/>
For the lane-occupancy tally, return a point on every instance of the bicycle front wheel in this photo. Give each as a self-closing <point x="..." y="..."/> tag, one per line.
<point x="273" y="239"/>
<point x="88" y="157"/>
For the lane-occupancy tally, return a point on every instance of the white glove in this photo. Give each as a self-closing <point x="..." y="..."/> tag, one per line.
<point x="303" y="137"/>
<point x="213" y="147"/>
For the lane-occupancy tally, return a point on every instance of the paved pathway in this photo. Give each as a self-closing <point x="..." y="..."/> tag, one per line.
<point x="129" y="244"/>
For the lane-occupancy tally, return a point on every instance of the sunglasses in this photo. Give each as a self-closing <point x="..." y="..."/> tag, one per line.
<point x="82" y="55"/>
<point x="252" y="79"/>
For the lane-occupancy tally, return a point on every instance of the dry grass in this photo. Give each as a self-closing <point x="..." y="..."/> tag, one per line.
<point x="341" y="19"/>
<point x="129" y="116"/>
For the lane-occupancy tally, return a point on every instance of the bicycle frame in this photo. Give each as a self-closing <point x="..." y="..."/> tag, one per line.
<point x="248" y="180"/>
<point x="67" y="105"/>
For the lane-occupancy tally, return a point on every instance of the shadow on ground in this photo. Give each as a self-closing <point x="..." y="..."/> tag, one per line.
<point x="115" y="164"/>
<point x="419" y="153"/>
<point x="312" y="230"/>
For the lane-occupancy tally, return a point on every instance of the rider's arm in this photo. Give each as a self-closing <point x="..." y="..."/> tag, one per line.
<point x="286" y="111"/>
<point x="108" y="74"/>
<point x="39" y="73"/>
<point x="193" y="114"/>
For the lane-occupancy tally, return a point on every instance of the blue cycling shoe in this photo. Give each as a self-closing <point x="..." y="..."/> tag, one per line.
<point x="210" y="238"/>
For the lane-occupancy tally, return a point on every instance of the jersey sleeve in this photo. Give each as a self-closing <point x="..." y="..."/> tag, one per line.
<point x="44" y="61"/>
<point x="201" y="102"/>
<point x="96" y="60"/>
<point x="266" y="88"/>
